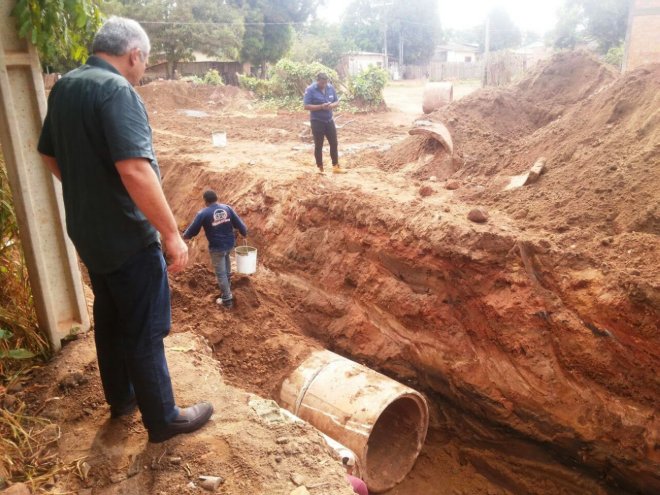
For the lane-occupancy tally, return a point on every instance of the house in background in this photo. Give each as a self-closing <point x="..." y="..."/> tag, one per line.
<point x="455" y="52"/>
<point x="533" y="53"/>
<point x="229" y="70"/>
<point x="352" y="63"/>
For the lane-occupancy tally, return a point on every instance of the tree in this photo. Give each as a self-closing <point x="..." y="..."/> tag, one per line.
<point x="569" y="27"/>
<point x="602" y="21"/>
<point x="503" y="32"/>
<point x="268" y="27"/>
<point x="60" y="29"/>
<point x="363" y="25"/>
<point x="413" y="26"/>
<point x="178" y="28"/>
<point x="320" y="42"/>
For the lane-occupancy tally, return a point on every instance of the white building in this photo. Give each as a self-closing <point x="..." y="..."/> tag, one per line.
<point x="456" y="52"/>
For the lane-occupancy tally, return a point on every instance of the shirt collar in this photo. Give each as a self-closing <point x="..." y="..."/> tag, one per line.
<point x="95" y="61"/>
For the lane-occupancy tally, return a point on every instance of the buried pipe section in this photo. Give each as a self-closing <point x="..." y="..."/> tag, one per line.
<point x="381" y="420"/>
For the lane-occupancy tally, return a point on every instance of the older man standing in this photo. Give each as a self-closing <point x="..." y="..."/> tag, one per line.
<point x="97" y="140"/>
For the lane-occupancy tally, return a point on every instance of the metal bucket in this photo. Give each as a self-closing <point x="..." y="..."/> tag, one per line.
<point x="381" y="420"/>
<point x="246" y="259"/>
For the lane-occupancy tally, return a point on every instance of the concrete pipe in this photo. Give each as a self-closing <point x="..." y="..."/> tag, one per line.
<point x="379" y="419"/>
<point x="437" y="95"/>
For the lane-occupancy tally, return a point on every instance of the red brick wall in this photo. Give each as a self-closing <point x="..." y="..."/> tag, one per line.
<point x="643" y="37"/>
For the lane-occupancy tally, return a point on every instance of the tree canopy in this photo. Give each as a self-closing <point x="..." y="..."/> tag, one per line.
<point x="60" y="29"/>
<point x="413" y="26"/>
<point x="320" y="42"/>
<point x="269" y="27"/>
<point x="602" y="21"/>
<point x="178" y="28"/>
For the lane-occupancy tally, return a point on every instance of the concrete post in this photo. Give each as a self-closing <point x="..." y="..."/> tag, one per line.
<point x="51" y="258"/>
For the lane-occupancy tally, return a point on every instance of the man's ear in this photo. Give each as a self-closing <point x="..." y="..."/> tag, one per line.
<point x="134" y="56"/>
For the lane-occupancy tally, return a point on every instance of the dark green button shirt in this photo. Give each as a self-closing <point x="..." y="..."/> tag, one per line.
<point x="95" y="118"/>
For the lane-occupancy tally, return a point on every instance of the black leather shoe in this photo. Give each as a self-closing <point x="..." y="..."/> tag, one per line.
<point x="123" y="410"/>
<point x="190" y="419"/>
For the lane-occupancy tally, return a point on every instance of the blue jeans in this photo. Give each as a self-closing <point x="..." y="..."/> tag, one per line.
<point x="131" y="318"/>
<point x="222" y="266"/>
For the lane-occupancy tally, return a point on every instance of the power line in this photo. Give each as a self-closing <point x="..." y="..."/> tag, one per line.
<point x="235" y="23"/>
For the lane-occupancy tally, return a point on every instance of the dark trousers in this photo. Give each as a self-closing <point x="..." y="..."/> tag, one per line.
<point x="322" y="130"/>
<point x="131" y="317"/>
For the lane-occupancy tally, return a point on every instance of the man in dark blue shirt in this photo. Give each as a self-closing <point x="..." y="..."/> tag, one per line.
<point x="219" y="222"/>
<point x="320" y="99"/>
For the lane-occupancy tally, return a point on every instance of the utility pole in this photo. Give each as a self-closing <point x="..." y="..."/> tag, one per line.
<point x="384" y="6"/>
<point x="484" y="82"/>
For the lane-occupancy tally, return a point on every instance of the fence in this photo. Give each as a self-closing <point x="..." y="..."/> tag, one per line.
<point x="502" y="68"/>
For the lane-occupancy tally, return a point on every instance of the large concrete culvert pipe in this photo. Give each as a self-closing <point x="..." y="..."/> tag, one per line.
<point x="381" y="420"/>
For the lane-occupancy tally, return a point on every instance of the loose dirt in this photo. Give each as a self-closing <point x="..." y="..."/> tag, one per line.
<point x="534" y="335"/>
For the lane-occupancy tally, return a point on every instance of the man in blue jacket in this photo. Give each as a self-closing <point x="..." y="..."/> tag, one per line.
<point x="219" y="222"/>
<point x="320" y="99"/>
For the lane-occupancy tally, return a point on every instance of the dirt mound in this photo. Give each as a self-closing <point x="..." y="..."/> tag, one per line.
<point x="176" y="95"/>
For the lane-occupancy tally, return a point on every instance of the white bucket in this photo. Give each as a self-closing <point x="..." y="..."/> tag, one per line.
<point x="246" y="259"/>
<point x="219" y="139"/>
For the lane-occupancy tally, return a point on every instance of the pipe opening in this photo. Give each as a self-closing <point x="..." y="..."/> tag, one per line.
<point x="395" y="441"/>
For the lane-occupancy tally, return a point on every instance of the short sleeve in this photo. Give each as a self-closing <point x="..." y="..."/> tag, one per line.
<point x="45" y="146"/>
<point x="126" y="126"/>
<point x="307" y="100"/>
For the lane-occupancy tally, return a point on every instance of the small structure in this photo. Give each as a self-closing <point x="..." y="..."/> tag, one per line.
<point x="643" y="35"/>
<point x="229" y="70"/>
<point x="455" y="52"/>
<point x="352" y="63"/>
<point x="533" y="53"/>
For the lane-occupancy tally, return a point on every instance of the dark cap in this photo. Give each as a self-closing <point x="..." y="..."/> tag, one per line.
<point x="210" y="196"/>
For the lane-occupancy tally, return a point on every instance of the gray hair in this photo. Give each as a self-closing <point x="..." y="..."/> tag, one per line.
<point x="119" y="35"/>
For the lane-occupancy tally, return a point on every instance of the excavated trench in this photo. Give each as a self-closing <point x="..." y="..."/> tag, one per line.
<point x="534" y="335"/>
<point x="474" y="318"/>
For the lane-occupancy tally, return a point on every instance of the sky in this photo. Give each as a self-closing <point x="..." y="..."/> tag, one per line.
<point x="533" y="15"/>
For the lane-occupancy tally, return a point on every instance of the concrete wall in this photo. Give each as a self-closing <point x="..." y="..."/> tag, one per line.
<point x="643" y="36"/>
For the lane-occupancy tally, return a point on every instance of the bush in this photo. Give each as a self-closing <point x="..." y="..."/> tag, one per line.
<point x="367" y="87"/>
<point x="260" y="87"/>
<point x="614" y="56"/>
<point x="292" y="78"/>
<point x="213" y="78"/>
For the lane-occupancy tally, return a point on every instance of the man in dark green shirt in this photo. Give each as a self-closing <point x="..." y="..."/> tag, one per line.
<point x="97" y="140"/>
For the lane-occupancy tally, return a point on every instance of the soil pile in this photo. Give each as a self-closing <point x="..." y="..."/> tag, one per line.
<point x="534" y="334"/>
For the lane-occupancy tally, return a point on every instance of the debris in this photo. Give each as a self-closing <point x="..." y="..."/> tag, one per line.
<point x="529" y="177"/>
<point x="117" y="478"/>
<point x="535" y="172"/>
<point x="17" y="489"/>
<point x="83" y="469"/>
<point x="281" y="440"/>
<point x="437" y="131"/>
<point x="134" y="465"/>
<point x="73" y="380"/>
<point x="452" y="185"/>
<point x="175" y="460"/>
<point x="478" y="216"/>
<point x="301" y="490"/>
<point x="210" y="483"/>
<point x="425" y="191"/>
<point x="297" y="479"/>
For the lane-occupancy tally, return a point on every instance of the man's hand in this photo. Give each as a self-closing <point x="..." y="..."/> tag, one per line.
<point x="176" y="252"/>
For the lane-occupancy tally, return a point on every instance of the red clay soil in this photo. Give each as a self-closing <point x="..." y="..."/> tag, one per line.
<point x="534" y="335"/>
